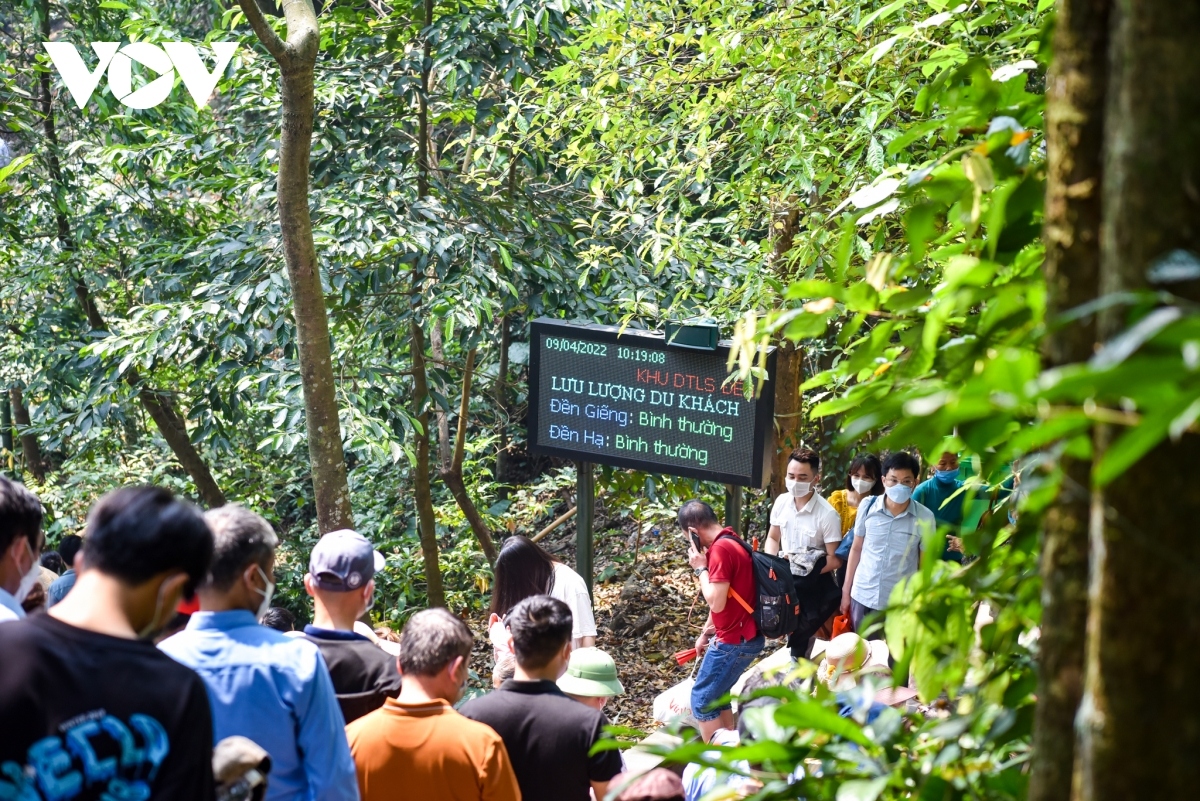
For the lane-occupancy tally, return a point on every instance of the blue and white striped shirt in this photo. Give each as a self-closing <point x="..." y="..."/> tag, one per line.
<point x="891" y="549"/>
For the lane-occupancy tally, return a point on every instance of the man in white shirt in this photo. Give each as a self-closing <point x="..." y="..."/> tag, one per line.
<point x="21" y="542"/>
<point x="888" y="533"/>
<point x="806" y="531"/>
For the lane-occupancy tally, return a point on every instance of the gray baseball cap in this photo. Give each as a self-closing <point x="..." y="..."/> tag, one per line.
<point x="343" y="561"/>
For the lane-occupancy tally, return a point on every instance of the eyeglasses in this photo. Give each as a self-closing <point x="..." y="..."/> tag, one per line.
<point x="892" y="481"/>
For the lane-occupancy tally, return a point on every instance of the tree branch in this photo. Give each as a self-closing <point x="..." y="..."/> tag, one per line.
<point x="303" y="30"/>
<point x="452" y="474"/>
<point x="263" y="30"/>
<point x="460" y="441"/>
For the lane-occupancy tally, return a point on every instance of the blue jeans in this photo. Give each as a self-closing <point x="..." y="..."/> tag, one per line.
<point x="722" y="666"/>
<point x="858" y="612"/>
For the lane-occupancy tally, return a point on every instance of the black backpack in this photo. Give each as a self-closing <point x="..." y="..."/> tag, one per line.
<point x="778" y="610"/>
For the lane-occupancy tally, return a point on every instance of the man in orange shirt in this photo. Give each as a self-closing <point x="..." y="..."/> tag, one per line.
<point x="417" y="746"/>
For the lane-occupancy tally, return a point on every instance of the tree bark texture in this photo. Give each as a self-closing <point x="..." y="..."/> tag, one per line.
<point x="1075" y="97"/>
<point x="501" y="390"/>
<point x="1140" y="717"/>
<point x="789" y="362"/>
<point x="6" y="424"/>
<point x="158" y="405"/>
<point x="297" y="60"/>
<point x="426" y="525"/>
<point x="445" y="446"/>
<point x="452" y="469"/>
<point x="31" y="452"/>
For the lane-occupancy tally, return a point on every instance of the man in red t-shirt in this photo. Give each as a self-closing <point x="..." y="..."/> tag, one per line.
<point x="726" y="575"/>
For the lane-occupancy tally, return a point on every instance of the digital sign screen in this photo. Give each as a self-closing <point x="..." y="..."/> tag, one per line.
<point x="628" y="399"/>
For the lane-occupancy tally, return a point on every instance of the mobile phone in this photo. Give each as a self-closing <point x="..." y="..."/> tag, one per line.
<point x="696" y="542"/>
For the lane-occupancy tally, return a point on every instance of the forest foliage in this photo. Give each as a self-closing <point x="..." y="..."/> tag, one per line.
<point x="864" y="178"/>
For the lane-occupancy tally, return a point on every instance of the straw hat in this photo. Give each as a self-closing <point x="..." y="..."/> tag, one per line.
<point x="639" y="759"/>
<point x="846" y="655"/>
<point x="591" y="673"/>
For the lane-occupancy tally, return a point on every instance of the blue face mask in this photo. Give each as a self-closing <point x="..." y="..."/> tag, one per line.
<point x="946" y="476"/>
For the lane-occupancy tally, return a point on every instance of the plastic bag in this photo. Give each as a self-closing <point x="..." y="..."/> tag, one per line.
<point x="674" y="705"/>
<point x="842" y="624"/>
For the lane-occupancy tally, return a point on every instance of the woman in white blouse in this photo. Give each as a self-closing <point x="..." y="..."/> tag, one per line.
<point x="524" y="569"/>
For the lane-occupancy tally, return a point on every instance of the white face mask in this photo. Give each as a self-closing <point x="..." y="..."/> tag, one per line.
<point x="899" y="493"/>
<point x="266" y="594"/>
<point x="798" y="488"/>
<point x="862" y="485"/>
<point x="30" y="576"/>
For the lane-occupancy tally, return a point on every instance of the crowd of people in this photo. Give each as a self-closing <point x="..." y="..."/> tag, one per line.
<point x="135" y="660"/>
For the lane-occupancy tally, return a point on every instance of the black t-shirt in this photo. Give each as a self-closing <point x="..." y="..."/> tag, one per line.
<point x="364" y="675"/>
<point x="89" y="716"/>
<point x="548" y="737"/>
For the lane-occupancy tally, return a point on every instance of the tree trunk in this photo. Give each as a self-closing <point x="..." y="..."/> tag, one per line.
<point x="170" y="423"/>
<point x="1075" y="142"/>
<point x="423" y="494"/>
<point x="297" y="59"/>
<point x="502" y="403"/>
<point x="789" y="365"/>
<point x="31" y="452"/>
<point x="444" y="445"/>
<point x="6" y="425"/>
<point x="789" y="409"/>
<point x="1140" y="731"/>
<point x="452" y="469"/>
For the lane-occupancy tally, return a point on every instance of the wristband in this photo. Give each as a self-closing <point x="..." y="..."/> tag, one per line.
<point x="700" y="570"/>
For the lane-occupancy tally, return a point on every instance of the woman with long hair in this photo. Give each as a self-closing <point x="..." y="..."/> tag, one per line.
<point x="862" y="480"/>
<point x="523" y="569"/>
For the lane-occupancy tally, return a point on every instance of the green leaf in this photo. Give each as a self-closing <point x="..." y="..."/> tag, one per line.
<point x="806" y="713"/>
<point x="880" y="50"/>
<point x="19" y="163"/>
<point x="883" y="13"/>
<point x="861" y="789"/>
<point x="1122" y="346"/>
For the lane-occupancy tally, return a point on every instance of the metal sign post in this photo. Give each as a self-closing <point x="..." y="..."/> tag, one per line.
<point x="585" y="502"/>
<point x="733" y="508"/>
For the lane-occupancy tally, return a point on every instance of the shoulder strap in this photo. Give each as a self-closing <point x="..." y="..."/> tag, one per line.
<point x="866" y="511"/>
<point x="739" y="541"/>
<point x="750" y="552"/>
<point x="740" y="600"/>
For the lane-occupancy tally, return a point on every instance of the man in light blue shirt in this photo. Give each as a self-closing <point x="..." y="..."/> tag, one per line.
<point x="68" y="548"/>
<point x="262" y="684"/>
<point x="887" y="540"/>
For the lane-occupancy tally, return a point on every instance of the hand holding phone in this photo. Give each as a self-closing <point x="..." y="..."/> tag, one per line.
<point x="696" y="557"/>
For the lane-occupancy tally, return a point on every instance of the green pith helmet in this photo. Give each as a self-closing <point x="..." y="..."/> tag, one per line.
<point x="591" y="674"/>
